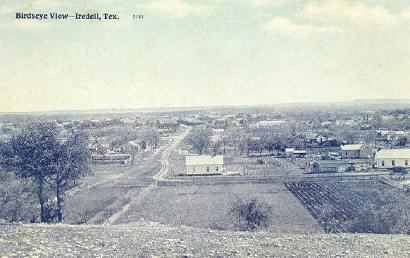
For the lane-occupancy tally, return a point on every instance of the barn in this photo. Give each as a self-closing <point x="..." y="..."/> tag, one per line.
<point x="351" y="151"/>
<point x="392" y="158"/>
<point x="328" y="166"/>
<point x="204" y="165"/>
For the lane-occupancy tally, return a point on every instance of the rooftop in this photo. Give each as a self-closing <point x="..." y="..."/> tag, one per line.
<point x="330" y="163"/>
<point x="299" y="152"/>
<point x="393" y="153"/>
<point x="351" y="147"/>
<point x="204" y="160"/>
<point x="270" y="122"/>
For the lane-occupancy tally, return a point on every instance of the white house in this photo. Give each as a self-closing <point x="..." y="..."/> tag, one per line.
<point x="392" y="158"/>
<point x="204" y="165"/>
<point x="289" y="152"/>
<point x="351" y="151"/>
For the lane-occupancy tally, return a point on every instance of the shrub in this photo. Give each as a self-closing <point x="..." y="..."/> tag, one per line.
<point x="250" y="215"/>
<point x="389" y="214"/>
<point x="260" y="162"/>
<point x="351" y="168"/>
<point x="328" y="222"/>
<point x="17" y="201"/>
<point x="400" y="170"/>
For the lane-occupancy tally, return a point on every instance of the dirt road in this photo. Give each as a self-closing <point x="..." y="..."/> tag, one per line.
<point x="101" y="197"/>
<point x="135" y="200"/>
<point x="165" y="154"/>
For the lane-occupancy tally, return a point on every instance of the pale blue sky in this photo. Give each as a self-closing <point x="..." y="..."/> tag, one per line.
<point x="195" y="53"/>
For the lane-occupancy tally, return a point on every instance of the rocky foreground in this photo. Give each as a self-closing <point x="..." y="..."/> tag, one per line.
<point x="154" y="239"/>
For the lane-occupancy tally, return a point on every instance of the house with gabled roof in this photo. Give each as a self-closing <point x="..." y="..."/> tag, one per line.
<point x="351" y="151"/>
<point x="204" y="165"/>
<point x="392" y="158"/>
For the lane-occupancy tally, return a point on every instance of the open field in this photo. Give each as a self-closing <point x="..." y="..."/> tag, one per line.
<point x="336" y="204"/>
<point x="208" y="206"/>
<point x="82" y="208"/>
<point x="104" y="193"/>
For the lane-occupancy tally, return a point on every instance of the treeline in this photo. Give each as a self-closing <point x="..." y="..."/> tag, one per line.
<point x="37" y="168"/>
<point x="146" y="136"/>
<point x="242" y="139"/>
<point x="129" y="139"/>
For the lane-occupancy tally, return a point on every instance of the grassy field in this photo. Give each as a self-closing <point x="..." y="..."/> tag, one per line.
<point x="81" y="208"/>
<point x="107" y="190"/>
<point x="208" y="206"/>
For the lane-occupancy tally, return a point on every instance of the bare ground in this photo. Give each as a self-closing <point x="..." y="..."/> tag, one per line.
<point x="146" y="239"/>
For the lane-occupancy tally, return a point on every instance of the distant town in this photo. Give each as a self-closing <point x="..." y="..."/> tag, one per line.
<point x="302" y="168"/>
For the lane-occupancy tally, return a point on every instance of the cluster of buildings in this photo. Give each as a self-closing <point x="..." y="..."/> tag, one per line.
<point x="351" y="159"/>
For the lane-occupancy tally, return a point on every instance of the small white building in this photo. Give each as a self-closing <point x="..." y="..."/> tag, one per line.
<point x="299" y="153"/>
<point x="268" y="123"/>
<point x="204" y="165"/>
<point x="289" y="152"/>
<point x="351" y="151"/>
<point x="392" y="158"/>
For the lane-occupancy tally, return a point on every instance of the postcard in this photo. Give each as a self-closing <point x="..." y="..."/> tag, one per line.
<point x="186" y="128"/>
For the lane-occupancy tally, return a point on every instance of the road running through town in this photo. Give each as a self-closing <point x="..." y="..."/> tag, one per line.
<point x="159" y="176"/>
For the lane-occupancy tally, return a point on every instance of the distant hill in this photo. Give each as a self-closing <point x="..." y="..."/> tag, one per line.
<point x="360" y="104"/>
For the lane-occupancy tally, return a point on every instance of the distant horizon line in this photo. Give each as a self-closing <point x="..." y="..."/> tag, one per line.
<point x="160" y="109"/>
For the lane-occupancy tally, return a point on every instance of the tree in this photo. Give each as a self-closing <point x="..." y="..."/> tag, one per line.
<point x="72" y="163"/>
<point x="256" y="145"/>
<point x="238" y="137"/>
<point x="200" y="139"/>
<point x="216" y="147"/>
<point x="224" y="141"/>
<point x="17" y="201"/>
<point x="34" y="157"/>
<point x="148" y="136"/>
<point x="37" y="154"/>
